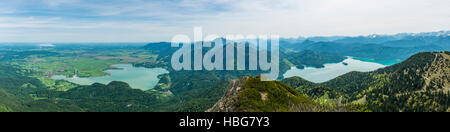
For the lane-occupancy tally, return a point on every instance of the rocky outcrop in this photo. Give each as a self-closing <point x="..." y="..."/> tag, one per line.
<point x="226" y="103"/>
<point x="437" y="73"/>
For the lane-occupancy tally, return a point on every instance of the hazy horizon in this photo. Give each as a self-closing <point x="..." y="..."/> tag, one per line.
<point x="142" y="42"/>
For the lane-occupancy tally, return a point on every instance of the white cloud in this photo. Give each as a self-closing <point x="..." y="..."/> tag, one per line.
<point x="333" y="17"/>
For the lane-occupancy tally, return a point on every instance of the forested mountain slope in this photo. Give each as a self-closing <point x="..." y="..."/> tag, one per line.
<point x="420" y="83"/>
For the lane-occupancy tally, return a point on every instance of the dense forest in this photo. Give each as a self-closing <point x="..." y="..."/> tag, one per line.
<point x="315" y="59"/>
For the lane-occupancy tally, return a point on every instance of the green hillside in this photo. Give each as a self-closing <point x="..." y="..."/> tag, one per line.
<point x="250" y="94"/>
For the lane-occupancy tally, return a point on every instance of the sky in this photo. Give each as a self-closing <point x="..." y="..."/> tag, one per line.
<point x="160" y="20"/>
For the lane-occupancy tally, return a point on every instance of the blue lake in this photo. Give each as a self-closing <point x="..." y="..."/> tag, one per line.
<point x="136" y="77"/>
<point x="331" y="71"/>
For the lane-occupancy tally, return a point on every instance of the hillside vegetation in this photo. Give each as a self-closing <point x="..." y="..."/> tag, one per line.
<point x="250" y="94"/>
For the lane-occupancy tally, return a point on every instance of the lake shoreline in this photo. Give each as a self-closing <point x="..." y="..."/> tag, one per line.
<point x="138" y="77"/>
<point x="333" y="70"/>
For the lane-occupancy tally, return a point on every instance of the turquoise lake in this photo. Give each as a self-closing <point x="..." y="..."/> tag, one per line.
<point x="331" y="71"/>
<point x="136" y="77"/>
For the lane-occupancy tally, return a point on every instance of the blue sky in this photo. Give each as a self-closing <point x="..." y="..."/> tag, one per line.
<point x="160" y="20"/>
